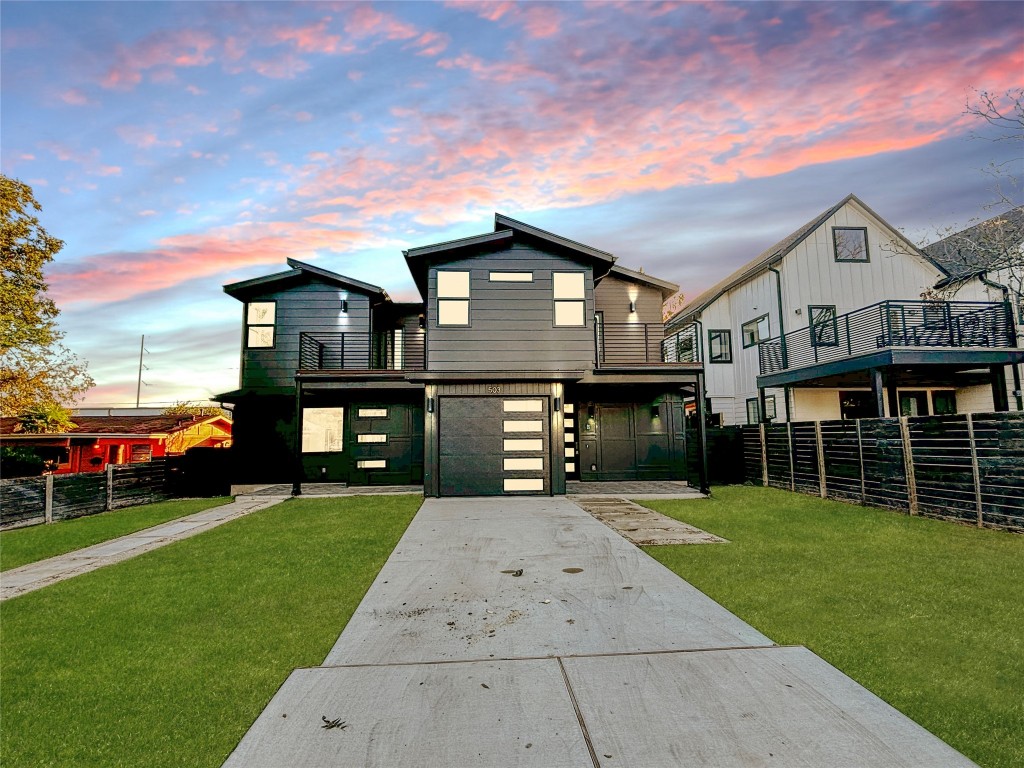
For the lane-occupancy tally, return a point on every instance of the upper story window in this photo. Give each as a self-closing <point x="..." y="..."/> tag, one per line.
<point x="569" y="290"/>
<point x="452" y="297"/>
<point x="755" y="331"/>
<point x="824" y="331"/>
<point x="259" y="324"/>
<point x="850" y="244"/>
<point x="719" y="346"/>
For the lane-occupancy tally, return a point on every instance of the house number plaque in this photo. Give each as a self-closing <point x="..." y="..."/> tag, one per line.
<point x="494" y="389"/>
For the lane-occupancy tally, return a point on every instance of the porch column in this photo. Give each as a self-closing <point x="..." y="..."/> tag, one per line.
<point x="702" y="434"/>
<point x="297" y="442"/>
<point x="1000" y="402"/>
<point x="878" y="391"/>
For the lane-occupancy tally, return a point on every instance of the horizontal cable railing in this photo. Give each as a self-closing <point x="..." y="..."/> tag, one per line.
<point x="629" y="343"/>
<point x="381" y="350"/>
<point x="890" y="324"/>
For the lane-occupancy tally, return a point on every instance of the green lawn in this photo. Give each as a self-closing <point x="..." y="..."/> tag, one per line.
<point x="167" y="659"/>
<point x="38" y="542"/>
<point x="928" y="615"/>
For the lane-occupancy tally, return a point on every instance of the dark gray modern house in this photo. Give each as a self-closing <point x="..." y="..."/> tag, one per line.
<point x="532" y="360"/>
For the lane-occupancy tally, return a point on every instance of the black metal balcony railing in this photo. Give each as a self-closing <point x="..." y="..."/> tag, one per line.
<point x="683" y="346"/>
<point x="891" y="324"/>
<point x="633" y="344"/>
<point x="380" y="350"/>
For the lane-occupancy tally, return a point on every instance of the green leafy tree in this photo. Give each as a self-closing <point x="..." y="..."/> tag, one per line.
<point x="188" y="408"/>
<point x="36" y="370"/>
<point x="46" y="419"/>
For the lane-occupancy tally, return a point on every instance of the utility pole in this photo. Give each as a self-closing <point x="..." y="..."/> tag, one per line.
<point x="138" y="386"/>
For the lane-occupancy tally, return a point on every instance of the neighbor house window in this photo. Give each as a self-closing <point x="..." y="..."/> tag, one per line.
<point x="850" y="243"/>
<point x="569" y="289"/>
<point x="720" y="346"/>
<point x="943" y="402"/>
<point x="755" y="331"/>
<point x="452" y="298"/>
<point x="323" y="430"/>
<point x="754" y="409"/>
<point x="824" y="331"/>
<point x="259" y="324"/>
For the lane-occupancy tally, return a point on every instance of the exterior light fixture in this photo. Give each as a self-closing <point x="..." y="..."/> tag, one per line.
<point x="632" y="307"/>
<point x="344" y="306"/>
<point x="430" y="405"/>
<point x="558" y="403"/>
<point x="655" y="412"/>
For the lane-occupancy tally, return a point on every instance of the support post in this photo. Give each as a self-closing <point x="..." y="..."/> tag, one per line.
<point x="908" y="464"/>
<point x="822" y="485"/>
<point x="297" y="458"/>
<point x="792" y="450"/>
<point x="1000" y="402"/>
<point x="48" y="500"/>
<point x="702" y="435"/>
<point x="764" y="456"/>
<point x="974" y="468"/>
<point x="860" y="458"/>
<point x="110" y="487"/>
<point x="878" y="392"/>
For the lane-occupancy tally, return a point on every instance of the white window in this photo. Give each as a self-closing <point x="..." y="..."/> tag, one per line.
<point x="373" y="413"/>
<point x="511" y="277"/>
<point x="259" y="324"/>
<point x="523" y="406"/>
<point x="524" y="445"/>
<point x="372" y="464"/>
<point x="452" y="298"/>
<point x="524" y="426"/>
<point x="569" y="292"/>
<point x="514" y="464"/>
<point x="370" y="438"/>
<point x="524" y="484"/>
<point x="323" y="430"/>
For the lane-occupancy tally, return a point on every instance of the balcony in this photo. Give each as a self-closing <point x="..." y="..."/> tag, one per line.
<point x="920" y="325"/>
<point x="628" y="344"/>
<point x="393" y="350"/>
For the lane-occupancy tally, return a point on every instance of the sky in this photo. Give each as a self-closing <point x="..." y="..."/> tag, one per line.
<point x="179" y="146"/>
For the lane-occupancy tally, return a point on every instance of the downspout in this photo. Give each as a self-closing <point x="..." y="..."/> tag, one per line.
<point x="782" y="334"/>
<point x="1015" y="368"/>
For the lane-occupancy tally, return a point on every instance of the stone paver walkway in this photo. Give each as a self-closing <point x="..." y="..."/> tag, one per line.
<point x="642" y="526"/>
<point x="523" y="632"/>
<point x="43" y="573"/>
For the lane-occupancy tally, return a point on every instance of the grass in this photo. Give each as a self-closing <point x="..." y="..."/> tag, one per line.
<point x="168" y="658"/>
<point x="28" y="545"/>
<point x="926" y="614"/>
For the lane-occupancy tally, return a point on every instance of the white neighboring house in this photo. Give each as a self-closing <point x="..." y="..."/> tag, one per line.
<point x="829" y="323"/>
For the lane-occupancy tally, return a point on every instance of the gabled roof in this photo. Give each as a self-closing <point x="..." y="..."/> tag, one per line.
<point x="667" y="289"/>
<point x="982" y="247"/>
<point x="774" y="254"/>
<point x="142" y="426"/>
<point x="298" y="271"/>
<point x="505" y="231"/>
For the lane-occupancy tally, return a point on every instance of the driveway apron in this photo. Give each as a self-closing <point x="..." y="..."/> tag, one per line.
<point x="522" y="631"/>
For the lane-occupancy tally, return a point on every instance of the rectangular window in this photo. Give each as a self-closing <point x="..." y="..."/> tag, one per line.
<point x="370" y="438"/>
<point x="769" y="407"/>
<point x="943" y="402"/>
<point x="570" y="452"/>
<point x="523" y="406"/>
<point x="452" y="298"/>
<point x="753" y="411"/>
<point x="850" y="244"/>
<point x="755" y="331"/>
<point x="141" y="453"/>
<point x="259" y="324"/>
<point x="720" y="346"/>
<point x="510" y="277"/>
<point x="523" y="445"/>
<point x="570" y="467"/>
<point x="519" y="464"/>
<point x="523" y="426"/>
<point x="372" y="464"/>
<point x="523" y="484"/>
<point x="373" y="413"/>
<point x="323" y="430"/>
<point x="569" y="292"/>
<point x="824" y="330"/>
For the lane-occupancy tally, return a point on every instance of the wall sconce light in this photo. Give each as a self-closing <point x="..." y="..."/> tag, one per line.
<point x="632" y="307"/>
<point x="558" y="404"/>
<point x="423" y="321"/>
<point x="655" y="412"/>
<point x="430" y="405"/>
<point x="344" y="306"/>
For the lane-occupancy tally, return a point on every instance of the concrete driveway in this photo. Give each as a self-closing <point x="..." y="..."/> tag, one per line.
<point x="521" y="631"/>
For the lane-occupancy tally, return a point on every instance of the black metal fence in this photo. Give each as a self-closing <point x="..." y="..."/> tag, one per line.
<point x="963" y="467"/>
<point x="383" y="350"/>
<point x="889" y="324"/>
<point x="628" y="343"/>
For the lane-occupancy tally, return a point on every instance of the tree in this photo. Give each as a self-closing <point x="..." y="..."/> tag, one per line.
<point x="46" y="419"/>
<point x="188" y="408"/>
<point x="36" y="370"/>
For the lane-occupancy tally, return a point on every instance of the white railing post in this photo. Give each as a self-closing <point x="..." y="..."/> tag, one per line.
<point x="48" y="500"/>
<point x="822" y="486"/>
<point x="908" y="463"/>
<point x="110" y="487"/>
<point x="974" y="468"/>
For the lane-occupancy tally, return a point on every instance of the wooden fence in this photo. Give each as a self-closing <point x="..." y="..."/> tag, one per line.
<point x="963" y="467"/>
<point x="32" y="500"/>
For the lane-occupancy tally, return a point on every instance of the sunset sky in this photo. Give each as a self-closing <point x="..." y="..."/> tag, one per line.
<point x="176" y="147"/>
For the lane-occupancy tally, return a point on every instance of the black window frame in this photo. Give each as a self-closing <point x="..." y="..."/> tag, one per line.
<point x="814" y="326"/>
<point x="835" y="245"/>
<point x="726" y="333"/>
<point x="757" y="410"/>
<point x="756" y="321"/>
<point x="438" y="298"/>
<point x="272" y="326"/>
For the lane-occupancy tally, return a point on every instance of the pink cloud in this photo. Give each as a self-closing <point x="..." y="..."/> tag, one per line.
<point x="76" y="97"/>
<point x="284" y="67"/>
<point x="365" y="21"/>
<point x="302" y="117"/>
<point x="144" y="138"/>
<point x="160" y="51"/>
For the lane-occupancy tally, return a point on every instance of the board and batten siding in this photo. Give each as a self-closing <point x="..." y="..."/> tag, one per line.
<point x="511" y="323"/>
<point x="312" y="307"/>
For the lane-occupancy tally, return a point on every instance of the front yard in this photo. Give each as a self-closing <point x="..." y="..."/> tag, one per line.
<point x="926" y="614"/>
<point x="167" y="659"/>
<point x="38" y="542"/>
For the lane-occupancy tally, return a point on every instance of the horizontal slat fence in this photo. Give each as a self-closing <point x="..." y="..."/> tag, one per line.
<point x="23" y="501"/>
<point x="966" y="468"/>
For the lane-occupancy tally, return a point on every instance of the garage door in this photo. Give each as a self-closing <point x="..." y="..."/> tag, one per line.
<point x="491" y="446"/>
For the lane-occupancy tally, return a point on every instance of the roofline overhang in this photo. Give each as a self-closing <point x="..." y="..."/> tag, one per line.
<point x="298" y="268"/>
<point x="664" y="286"/>
<point x="895" y="357"/>
<point x="506" y="222"/>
